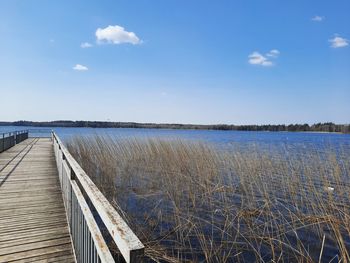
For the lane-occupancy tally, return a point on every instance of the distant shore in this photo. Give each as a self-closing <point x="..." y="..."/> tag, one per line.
<point x="327" y="127"/>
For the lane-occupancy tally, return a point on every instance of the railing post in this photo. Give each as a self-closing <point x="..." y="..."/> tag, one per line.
<point x="80" y="194"/>
<point x="71" y="177"/>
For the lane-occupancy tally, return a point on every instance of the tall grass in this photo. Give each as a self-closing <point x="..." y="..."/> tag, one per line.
<point x="188" y="201"/>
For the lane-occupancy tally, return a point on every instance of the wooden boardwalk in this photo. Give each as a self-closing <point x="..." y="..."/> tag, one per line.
<point x="33" y="224"/>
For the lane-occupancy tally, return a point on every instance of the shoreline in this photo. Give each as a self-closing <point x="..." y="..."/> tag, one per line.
<point x="215" y="127"/>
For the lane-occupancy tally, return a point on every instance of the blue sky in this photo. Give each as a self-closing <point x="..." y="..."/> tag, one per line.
<point x="183" y="61"/>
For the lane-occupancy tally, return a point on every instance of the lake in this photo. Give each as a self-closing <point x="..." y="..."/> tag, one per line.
<point x="222" y="138"/>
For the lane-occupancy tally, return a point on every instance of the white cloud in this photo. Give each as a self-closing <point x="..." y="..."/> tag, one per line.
<point x="80" y="67"/>
<point x="116" y="35"/>
<point x="85" y="45"/>
<point x="273" y="53"/>
<point x="257" y="59"/>
<point x="337" y="42"/>
<point x="318" y="18"/>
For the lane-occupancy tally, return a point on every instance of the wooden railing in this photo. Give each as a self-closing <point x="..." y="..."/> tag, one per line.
<point x="10" y="139"/>
<point x="82" y="200"/>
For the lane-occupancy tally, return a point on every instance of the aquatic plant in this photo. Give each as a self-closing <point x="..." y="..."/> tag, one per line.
<point x="190" y="201"/>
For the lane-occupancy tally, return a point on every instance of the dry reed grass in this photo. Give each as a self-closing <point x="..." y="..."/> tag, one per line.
<point x="188" y="201"/>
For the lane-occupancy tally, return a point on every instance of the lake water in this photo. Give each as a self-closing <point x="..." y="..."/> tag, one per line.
<point x="221" y="138"/>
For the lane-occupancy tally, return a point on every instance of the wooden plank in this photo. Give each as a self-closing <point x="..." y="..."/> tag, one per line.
<point x="27" y="191"/>
<point x="35" y="232"/>
<point x="45" y="251"/>
<point x="30" y="209"/>
<point x="35" y="201"/>
<point x="33" y="198"/>
<point x="33" y="246"/>
<point x="30" y="216"/>
<point x="33" y="226"/>
<point x="62" y="256"/>
<point x="30" y="205"/>
<point x="34" y="239"/>
<point x="28" y="232"/>
<point x="42" y="220"/>
<point x="40" y="211"/>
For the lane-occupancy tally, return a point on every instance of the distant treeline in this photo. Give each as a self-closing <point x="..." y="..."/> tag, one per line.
<point x="318" y="127"/>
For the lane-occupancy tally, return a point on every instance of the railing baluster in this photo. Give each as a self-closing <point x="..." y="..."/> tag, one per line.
<point x="84" y="240"/>
<point x="88" y="242"/>
<point x="79" y="234"/>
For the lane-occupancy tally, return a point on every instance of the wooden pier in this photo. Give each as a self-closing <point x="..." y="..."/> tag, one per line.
<point x="33" y="223"/>
<point x="48" y="208"/>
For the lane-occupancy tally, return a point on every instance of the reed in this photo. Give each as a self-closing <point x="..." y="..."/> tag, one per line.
<point x="193" y="202"/>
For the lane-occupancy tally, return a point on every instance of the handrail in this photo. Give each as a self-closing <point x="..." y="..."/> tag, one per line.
<point x="78" y="190"/>
<point x="12" y="132"/>
<point x="10" y="139"/>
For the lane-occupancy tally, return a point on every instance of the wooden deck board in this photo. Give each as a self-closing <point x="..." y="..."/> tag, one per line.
<point x="33" y="224"/>
<point x="61" y="256"/>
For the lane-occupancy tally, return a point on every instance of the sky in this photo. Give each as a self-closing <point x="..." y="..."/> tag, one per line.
<point x="175" y="61"/>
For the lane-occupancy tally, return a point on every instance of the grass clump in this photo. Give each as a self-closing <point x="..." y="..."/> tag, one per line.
<point x="191" y="202"/>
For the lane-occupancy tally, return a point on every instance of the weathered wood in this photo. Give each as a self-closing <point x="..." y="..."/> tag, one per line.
<point x="54" y="257"/>
<point x="33" y="233"/>
<point x="33" y="214"/>
<point x="33" y="223"/>
<point x="128" y="243"/>
<point x="35" y="245"/>
<point x="33" y="239"/>
<point x="44" y="251"/>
